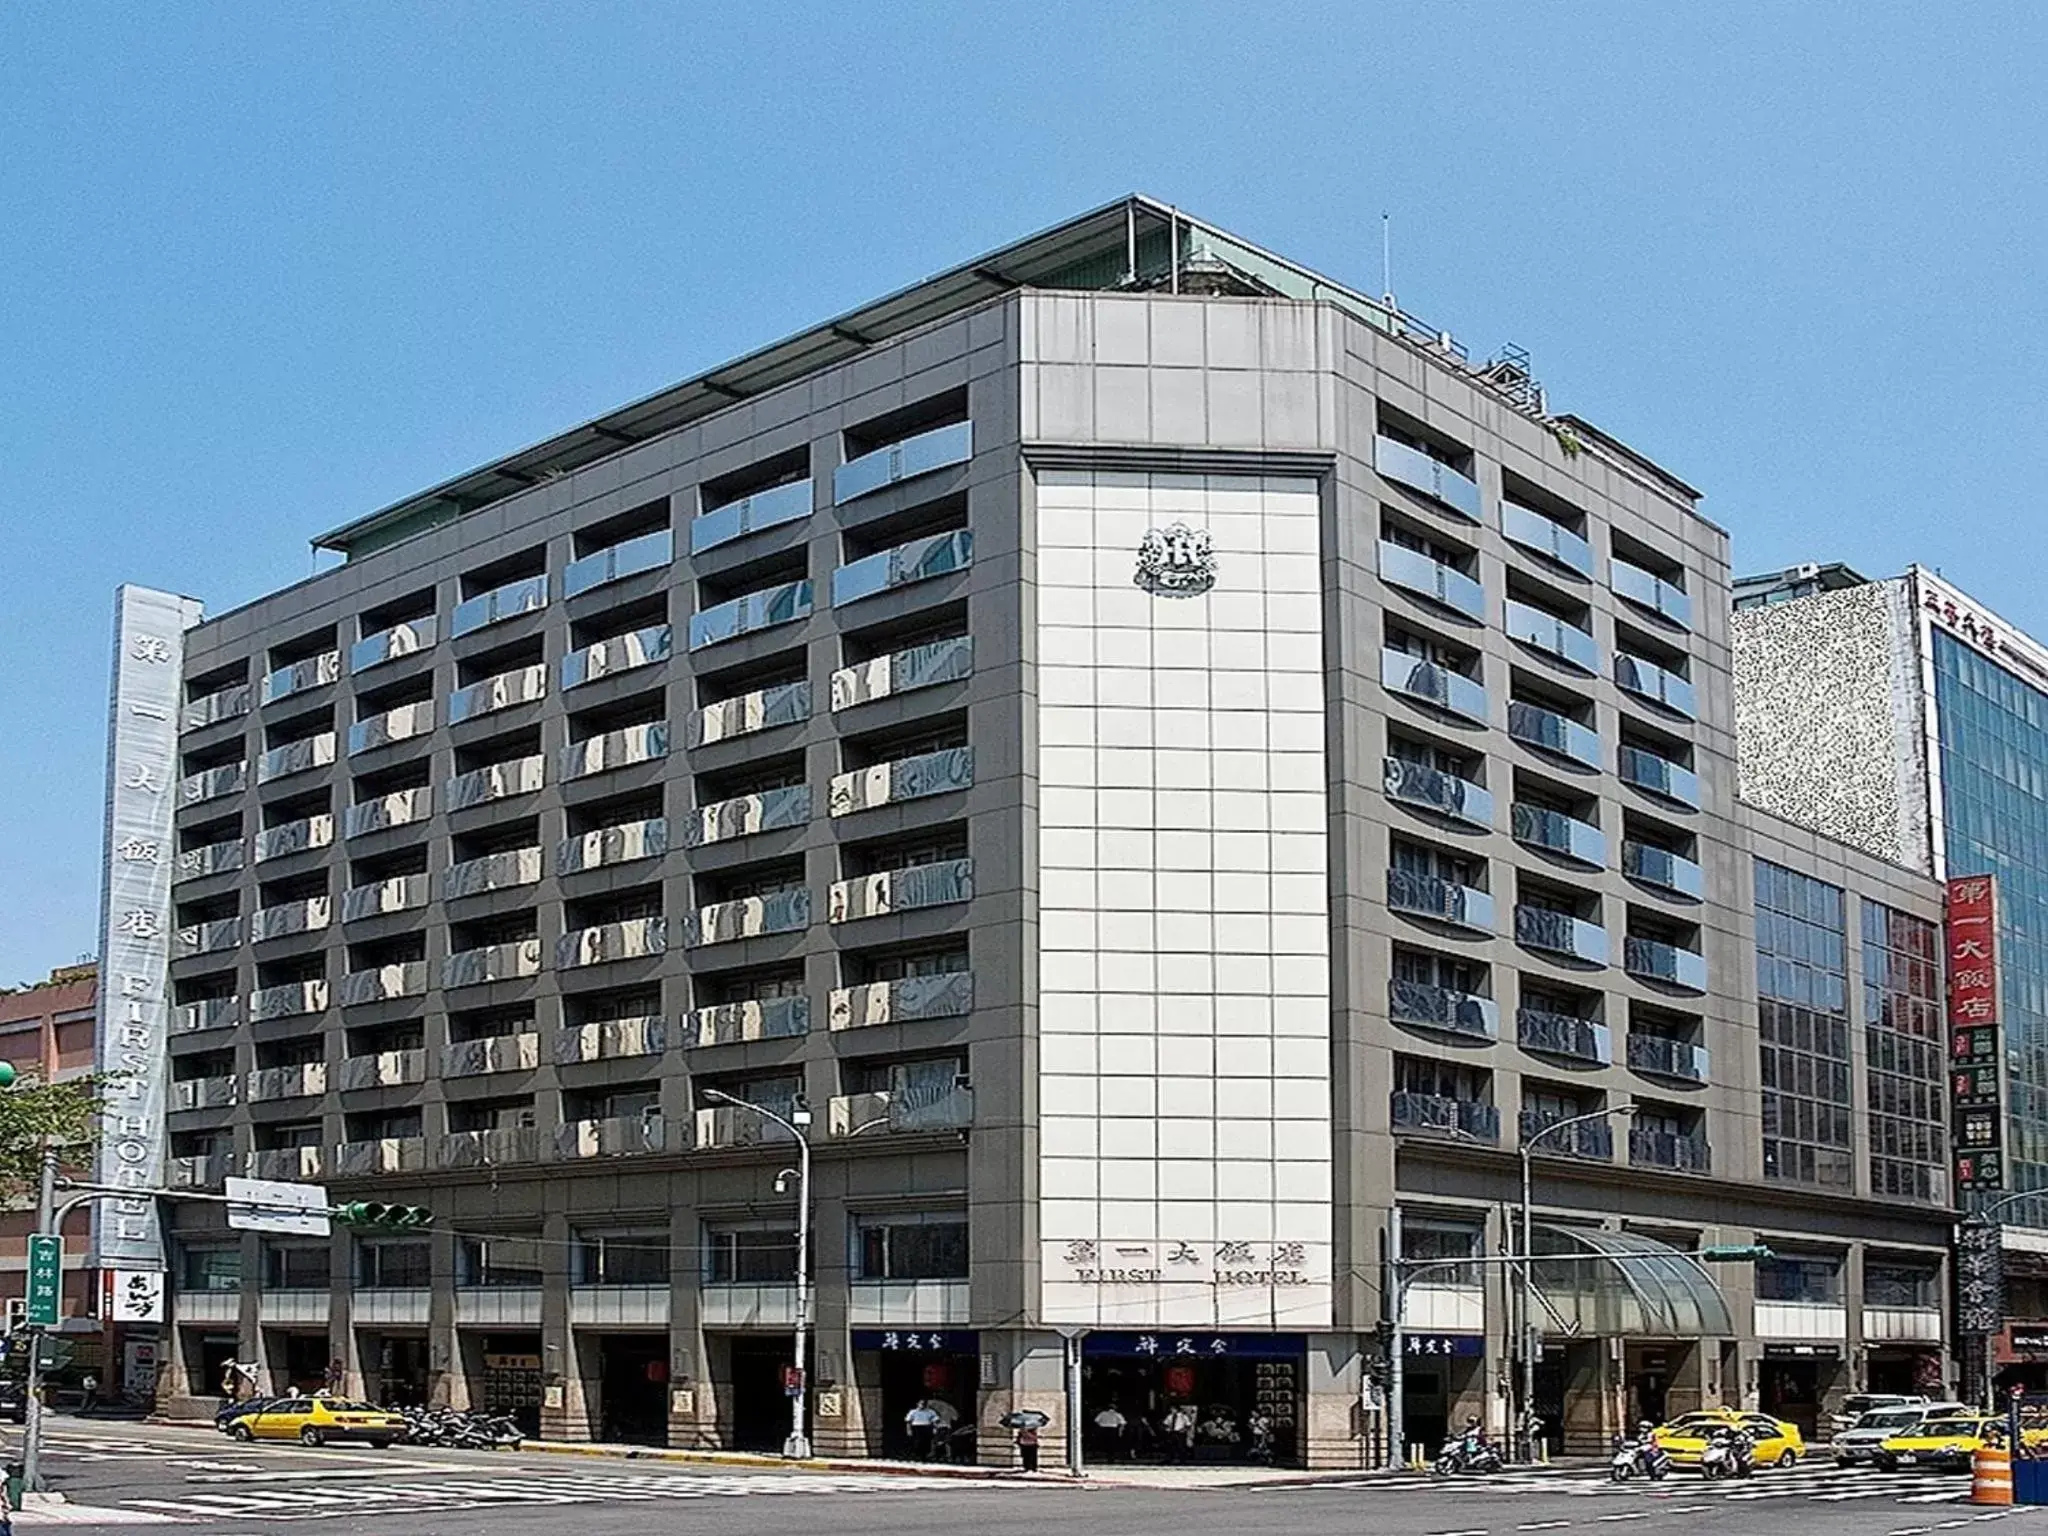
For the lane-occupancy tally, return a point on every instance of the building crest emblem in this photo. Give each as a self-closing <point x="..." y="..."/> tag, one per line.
<point x="1176" y="561"/>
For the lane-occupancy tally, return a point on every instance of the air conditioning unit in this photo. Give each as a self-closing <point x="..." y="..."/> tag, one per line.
<point x="1805" y="572"/>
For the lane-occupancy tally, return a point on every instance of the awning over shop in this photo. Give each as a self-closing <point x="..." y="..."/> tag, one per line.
<point x="1622" y="1284"/>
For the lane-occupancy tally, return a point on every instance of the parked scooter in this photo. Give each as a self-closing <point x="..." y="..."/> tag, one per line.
<point x="1639" y="1455"/>
<point x="1470" y="1452"/>
<point x="1729" y="1453"/>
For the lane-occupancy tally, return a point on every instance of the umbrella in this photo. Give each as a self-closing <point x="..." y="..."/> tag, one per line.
<point x="1026" y="1418"/>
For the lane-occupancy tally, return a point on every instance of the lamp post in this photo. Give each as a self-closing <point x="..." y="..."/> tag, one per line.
<point x="1525" y="1284"/>
<point x="798" y="1446"/>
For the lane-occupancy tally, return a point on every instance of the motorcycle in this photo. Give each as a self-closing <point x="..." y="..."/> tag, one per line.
<point x="1728" y="1455"/>
<point x="1638" y="1458"/>
<point x="1468" y="1453"/>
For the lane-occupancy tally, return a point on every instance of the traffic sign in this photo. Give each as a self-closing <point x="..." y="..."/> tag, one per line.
<point x="45" y="1279"/>
<point x="269" y="1205"/>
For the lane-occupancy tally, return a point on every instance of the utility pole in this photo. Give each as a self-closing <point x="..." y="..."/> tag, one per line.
<point x="1396" y="1296"/>
<point x="32" y="1424"/>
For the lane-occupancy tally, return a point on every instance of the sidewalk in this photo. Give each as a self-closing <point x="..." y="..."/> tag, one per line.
<point x="53" y="1509"/>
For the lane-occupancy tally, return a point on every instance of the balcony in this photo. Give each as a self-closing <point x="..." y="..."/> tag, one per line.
<point x="400" y="808"/>
<point x="722" y="821"/>
<point x="213" y="859"/>
<point x="305" y="1081"/>
<point x="615" y="749"/>
<point x="606" y="846"/>
<point x="500" y="781"/>
<point x="627" y="1136"/>
<point x="1455" y="1013"/>
<point x="1647" y="680"/>
<point x="384" y="983"/>
<point x="491" y="1148"/>
<point x="1537" y="826"/>
<point x="1440" y="901"/>
<point x="907" y="778"/>
<point x="393" y="726"/>
<point x="750" y="514"/>
<point x="506" y="690"/>
<point x="1560" y="933"/>
<point x="1433" y="478"/>
<point x="1564" y="1035"/>
<point x="900" y="890"/>
<point x="1665" y="870"/>
<point x="1655" y="960"/>
<point x="1649" y="1148"/>
<point x="385" y="1069"/>
<point x="1661" y="1056"/>
<point x="748" y="917"/>
<point x="940" y="448"/>
<point x="1547" y="537"/>
<point x="205" y="1093"/>
<point x="400" y="640"/>
<point x="749" y="614"/>
<point x="634" y="939"/>
<point x="208" y="1013"/>
<point x="505" y="870"/>
<point x="288" y="1163"/>
<point x="1466" y="1119"/>
<point x="287" y="918"/>
<point x="291" y="1000"/>
<point x="621" y="653"/>
<point x="1444" y="585"/>
<point x="228" y="704"/>
<point x="767" y="1018"/>
<point x="209" y="938"/>
<point x="1419" y="678"/>
<point x="920" y="666"/>
<point x="1592" y="1140"/>
<point x="944" y="995"/>
<point x="302" y="677"/>
<point x="514" y="961"/>
<point x="301" y="756"/>
<point x="295" y="837"/>
<point x="746" y="713"/>
<point x="724" y="1125"/>
<point x="1650" y="591"/>
<point x="901" y="1111"/>
<point x="1659" y="775"/>
<point x="1553" y="636"/>
<point x="401" y="893"/>
<point x="386" y="1154"/>
<point x="1443" y="794"/>
<point x="213" y="783"/>
<point x="940" y="554"/>
<point x="200" y="1172"/>
<point x="498" y="605"/>
<point x="629" y="557"/>
<point x="492" y="1053"/>
<point x="611" y="1039"/>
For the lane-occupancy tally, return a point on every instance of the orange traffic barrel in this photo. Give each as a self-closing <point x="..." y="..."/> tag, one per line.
<point x="1991" y="1477"/>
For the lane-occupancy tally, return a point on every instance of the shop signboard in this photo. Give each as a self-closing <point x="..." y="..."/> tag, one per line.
<point x="1970" y="945"/>
<point x="1200" y="1346"/>
<point x="933" y="1341"/>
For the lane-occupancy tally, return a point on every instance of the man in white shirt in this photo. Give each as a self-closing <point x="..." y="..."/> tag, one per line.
<point x="922" y="1422"/>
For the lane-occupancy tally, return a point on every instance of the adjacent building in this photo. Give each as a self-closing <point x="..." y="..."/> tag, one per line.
<point x="1168" y="764"/>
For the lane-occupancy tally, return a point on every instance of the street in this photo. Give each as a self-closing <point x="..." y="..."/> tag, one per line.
<point x="123" y="1476"/>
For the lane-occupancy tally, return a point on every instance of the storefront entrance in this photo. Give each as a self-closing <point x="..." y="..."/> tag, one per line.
<point x="1795" y="1387"/>
<point x="298" y="1361"/>
<point x="505" y="1377"/>
<point x="1193" y="1397"/>
<point x="207" y="1357"/>
<point x="760" y="1406"/>
<point x="1442" y="1381"/>
<point x="394" y="1367"/>
<point x="634" y="1388"/>
<point x="915" y="1366"/>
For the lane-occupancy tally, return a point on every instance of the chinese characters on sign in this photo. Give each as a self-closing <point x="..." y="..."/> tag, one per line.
<point x="134" y="1006"/>
<point x="1226" y="1264"/>
<point x="1970" y="937"/>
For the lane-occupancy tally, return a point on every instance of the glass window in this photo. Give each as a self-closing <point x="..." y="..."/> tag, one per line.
<point x="1816" y="1281"/>
<point x="750" y="1256"/>
<point x="294" y="1267"/>
<point x="934" y="1249"/>
<point x="212" y="1269"/>
<point x="510" y="1262"/>
<point x="394" y="1266"/>
<point x="1802" y="1029"/>
<point x="622" y="1258"/>
<point x="1425" y="1242"/>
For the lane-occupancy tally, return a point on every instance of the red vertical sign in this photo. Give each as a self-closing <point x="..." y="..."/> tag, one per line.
<point x="1970" y="939"/>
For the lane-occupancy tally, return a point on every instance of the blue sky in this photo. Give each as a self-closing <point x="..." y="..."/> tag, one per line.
<point x="266" y="268"/>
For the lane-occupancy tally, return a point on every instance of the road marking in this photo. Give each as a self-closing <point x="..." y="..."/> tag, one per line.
<point x="1949" y="1525"/>
<point x="1544" y="1525"/>
<point x="1609" y="1519"/>
<point x="1457" y="1533"/>
<point x="1910" y="1530"/>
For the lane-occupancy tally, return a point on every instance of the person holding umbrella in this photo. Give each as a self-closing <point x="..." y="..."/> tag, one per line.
<point x="1027" y="1422"/>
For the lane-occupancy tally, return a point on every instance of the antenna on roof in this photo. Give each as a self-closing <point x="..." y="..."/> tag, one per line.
<point x="1387" y="259"/>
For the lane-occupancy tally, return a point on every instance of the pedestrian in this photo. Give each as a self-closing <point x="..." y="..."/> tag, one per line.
<point x="1027" y="1447"/>
<point x="943" y="1431"/>
<point x="1180" y="1431"/>
<point x="89" y="1399"/>
<point x="922" y="1423"/>
<point x="1110" y="1426"/>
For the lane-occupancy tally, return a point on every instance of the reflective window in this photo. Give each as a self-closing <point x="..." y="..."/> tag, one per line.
<point x="1802" y="985"/>
<point x="1902" y="1033"/>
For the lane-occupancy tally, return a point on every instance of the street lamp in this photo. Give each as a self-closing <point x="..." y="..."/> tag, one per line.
<point x="1525" y="1430"/>
<point x="798" y="1446"/>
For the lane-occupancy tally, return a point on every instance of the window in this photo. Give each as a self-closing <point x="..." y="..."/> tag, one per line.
<point x="912" y="1248"/>
<point x="1424" y="1241"/>
<point x="1803" y="1028"/>
<point x="1902" y="1034"/>
<point x="394" y="1266"/>
<point x="1815" y="1282"/>
<point x="498" y="1262"/>
<point x="622" y="1258"/>
<point x="212" y="1269"/>
<point x="295" y="1267"/>
<point x="750" y="1256"/>
<point x="1900" y="1285"/>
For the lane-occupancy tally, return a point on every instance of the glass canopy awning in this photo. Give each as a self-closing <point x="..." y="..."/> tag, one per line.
<point x="1601" y="1284"/>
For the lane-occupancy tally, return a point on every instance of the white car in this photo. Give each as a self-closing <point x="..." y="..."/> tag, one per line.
<point x="1857" y="1446"/>
<point x="1855" y="1406"/>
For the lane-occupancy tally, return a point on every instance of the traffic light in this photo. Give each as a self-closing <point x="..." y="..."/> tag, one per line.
<point x="1736" y="1253"/>
<point x="6" y="1074"/>
<point x="375" y="1213"/>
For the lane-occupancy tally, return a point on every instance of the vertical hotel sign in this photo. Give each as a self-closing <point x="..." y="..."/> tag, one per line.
<point x="135" y="904"/>
<point x="1970" y="933"/>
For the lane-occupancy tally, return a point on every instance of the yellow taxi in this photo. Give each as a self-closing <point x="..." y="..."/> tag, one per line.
<point x="1947" y="1442"/>
<point x="317" y="1420"/>
<point x="1684" y="1439"/>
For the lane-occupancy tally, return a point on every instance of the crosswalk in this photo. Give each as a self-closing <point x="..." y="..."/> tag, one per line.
<point x="1819" y="1481"/>
<point x="276" y="1505"/>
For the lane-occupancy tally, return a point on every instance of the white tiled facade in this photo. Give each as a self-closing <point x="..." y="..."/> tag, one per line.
<point x="1184" y="1050"/>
